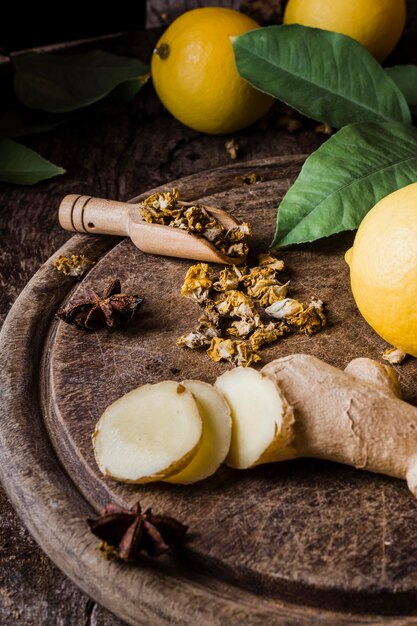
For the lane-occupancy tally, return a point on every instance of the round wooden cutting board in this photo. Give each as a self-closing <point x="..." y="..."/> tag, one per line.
<point x="297" y="543"/>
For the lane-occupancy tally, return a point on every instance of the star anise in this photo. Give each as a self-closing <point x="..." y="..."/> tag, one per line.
<point x="128" y="532"/>
<point x="113" y="309"/>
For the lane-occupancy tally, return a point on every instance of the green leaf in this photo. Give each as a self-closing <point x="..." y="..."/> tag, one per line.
<point x="23" y="166"/>
<point x="405" y="77"/>
<point x="61" y="83"/>
<point x="326" y="76"/>
<point x="344" y="178"/>
<point x="21" y="123"/>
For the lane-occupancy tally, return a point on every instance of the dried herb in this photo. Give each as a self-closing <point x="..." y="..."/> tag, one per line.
<point x="76" y="265"/>
<point x="288" y="119"/>
<point x="113" y="309"/>
<point x="232" y="148"/>
<point x="236" y="302"/>
<point x="325" y="129"/>
<point x="198" y="282"/>
<point x="395" y="356"/>
<point x="250" y="179"/>
<point x="308" y="318"/>
<point x="128" y="532"/>
<point x="237" y="352"/>
<point x="165" y="208"/>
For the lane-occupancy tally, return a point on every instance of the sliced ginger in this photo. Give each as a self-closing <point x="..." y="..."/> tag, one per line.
<point x="148" y="434"/>
<point x="297" y="406"/>
<point x="258" y="411"/>
<point x="217" y="432"/>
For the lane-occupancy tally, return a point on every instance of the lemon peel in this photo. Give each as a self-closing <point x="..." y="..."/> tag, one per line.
<point x="383" y="268"/>
<point x="194" y="73"/>
<point x="376" y="24"/>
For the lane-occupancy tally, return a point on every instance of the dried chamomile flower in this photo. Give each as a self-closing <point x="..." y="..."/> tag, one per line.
<point x="211" y="313"/>
<point x="261" y="284"/>
<point x="325" y="129"/>
<point x="288" y="123"/>
<point x="395" y="356"/>
<point x="221" y="349"/>
<point x="198" y="220"/>
<point x="161" y="207"/>
<point x="197" y="283"/>
<point x="229" y="278"/>
<point x="255" y="274"/>
<point x="310" y="319"/>
<point x="213" y="233"/>
<point x="204" y="333"/>
<point x="250" y="179"/>
<point x="307" y="318"/>
<point x="194" y="340"/>
<point x="238" y="353"/>
<point x="283" y="308"/>
<point x="163" y="200"/>
<point x="242" y="328"/>
<point x="76" y="265"/>
<point x="239" y="233"/>
<point x="267" y="334"/>
<point x="268" y="259"/>
<point x="268" y="294"/>
<point x="232" y="148"/>
<point x="237" y="304"/>
<point x="288" y="119"/>
<point x="207" y="328"/>
<point x="164" y="208"/>
<point x="235" y="250"/>
<point x="244" y="356"/>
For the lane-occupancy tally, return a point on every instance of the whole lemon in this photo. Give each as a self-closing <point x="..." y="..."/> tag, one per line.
<point x="194" y="73"/>
<point x="383" y="268"/>
<point x="376" y="24"/>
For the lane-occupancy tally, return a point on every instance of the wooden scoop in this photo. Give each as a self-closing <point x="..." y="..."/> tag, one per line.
<point x="84" y="214"/>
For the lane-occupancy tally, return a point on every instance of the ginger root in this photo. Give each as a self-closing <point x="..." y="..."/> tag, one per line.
<point x="352" y="417"/>
<point x="378" y="374"/>
<point x="296" y="406"/>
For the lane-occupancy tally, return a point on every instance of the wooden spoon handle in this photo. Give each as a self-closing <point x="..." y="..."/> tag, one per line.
<point x="84" y="214"/>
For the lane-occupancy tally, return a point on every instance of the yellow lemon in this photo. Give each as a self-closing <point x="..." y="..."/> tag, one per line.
<point x="376" y="24"/>
<point x="194" y="73"/>
<point x="383" y="268"/>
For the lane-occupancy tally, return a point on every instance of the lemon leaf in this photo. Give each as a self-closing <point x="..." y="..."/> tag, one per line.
<point x="23" y="166"/>
<point x="62" y="83"/>
<point x="324" y="75"/>
<point x="405" y="77"/>
<point x="18" y="123"/>
<point x="344" y="178"/>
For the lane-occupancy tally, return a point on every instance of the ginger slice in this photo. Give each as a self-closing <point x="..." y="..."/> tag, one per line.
<point x="261" y="418"/>
<point x="148" y="434"/>
<point x="217" y="432"/>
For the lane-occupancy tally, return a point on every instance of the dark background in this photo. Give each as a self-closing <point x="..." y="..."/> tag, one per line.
<point x="36" y="26"/>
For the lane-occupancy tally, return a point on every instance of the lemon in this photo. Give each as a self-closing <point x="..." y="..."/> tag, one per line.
<point x="376" y="24"/>
<point x="194" y="73"/>
<point x="383" y="268"/>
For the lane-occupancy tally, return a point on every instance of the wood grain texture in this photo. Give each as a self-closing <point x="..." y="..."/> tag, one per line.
<point x="308" y="533"/>
<point x="109" y="151"/>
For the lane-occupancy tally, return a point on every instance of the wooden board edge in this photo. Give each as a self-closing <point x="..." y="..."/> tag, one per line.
<point x="61" y="506"/>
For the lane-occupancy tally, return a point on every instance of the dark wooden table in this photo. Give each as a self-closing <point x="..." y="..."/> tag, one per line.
<point x="115" y="152"/>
